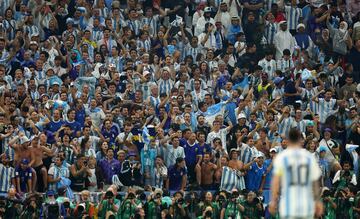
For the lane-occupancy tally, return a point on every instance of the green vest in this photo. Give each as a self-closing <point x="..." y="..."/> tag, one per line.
<point x="107" y="207"/>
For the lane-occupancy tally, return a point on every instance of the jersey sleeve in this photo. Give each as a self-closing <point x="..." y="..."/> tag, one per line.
<point x="315" y="169"/>
<point x="278" y="166"/>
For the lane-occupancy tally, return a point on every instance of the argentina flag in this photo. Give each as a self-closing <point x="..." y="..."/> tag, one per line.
<point x="213" y="111"/>
<point x="244" y="85"/>
<point x="231" y="180"/>
<point x="146" y="136"/>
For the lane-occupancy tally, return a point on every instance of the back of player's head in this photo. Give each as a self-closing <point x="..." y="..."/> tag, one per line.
<point x="294" y="135"/>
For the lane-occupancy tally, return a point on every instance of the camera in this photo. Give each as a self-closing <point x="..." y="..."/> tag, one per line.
<point x="109" y="195"/>
<point x="157" y="195"/>
<point x="66" y="205"/>
<point x="53" y="210"/>
<point x="208" y="214"/>
<point x="326" y="193"/>
<point x="235" y="195"/>
<point x="131" y="196"/>
<point x="180" y="201"/>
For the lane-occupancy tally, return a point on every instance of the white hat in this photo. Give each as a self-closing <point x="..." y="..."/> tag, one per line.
<point x="33" y="42"/>
<point x="146" y="73"/>
<point x="273" y="150"/>
<point x="241" y="116"/>
<point x="207" y="9"/>
<point x="24" y="139"/>
<point x="259" y="155"/>
<point x="300" y="25"/>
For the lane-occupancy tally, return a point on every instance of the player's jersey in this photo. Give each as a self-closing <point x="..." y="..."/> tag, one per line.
<point x="298" y="170"/>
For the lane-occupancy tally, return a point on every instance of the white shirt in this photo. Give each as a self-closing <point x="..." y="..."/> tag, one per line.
<point x="220" y="134"/>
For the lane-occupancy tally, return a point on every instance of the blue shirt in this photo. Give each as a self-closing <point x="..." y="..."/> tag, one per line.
<point x="190" y="153"/>
<point x="54" y="126"/>
<point x="268" y="177"/>
<point x="75" y="126"/>
<point x="254" y="176"/>
<point x="175" y="177"/>
<point x="206" y="148"/>
<point x="109" y="169"/>
<point x="24" y="176"/>
<point x="80" y="116"/>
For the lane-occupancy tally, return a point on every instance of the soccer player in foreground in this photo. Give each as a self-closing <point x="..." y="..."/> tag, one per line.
<point x="295" y="185"/>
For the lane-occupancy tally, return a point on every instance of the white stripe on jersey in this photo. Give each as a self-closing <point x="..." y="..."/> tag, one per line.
<point x="292" y="16"/>
<point x="285" y="125"/>
<point x="326" y="108"/>
<point x="297" y="169"/>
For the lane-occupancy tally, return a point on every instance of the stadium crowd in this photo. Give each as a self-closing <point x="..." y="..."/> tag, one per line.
<point x="174" y="109"/>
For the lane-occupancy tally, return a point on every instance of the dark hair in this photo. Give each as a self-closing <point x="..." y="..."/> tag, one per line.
<point x="294" y="135"/>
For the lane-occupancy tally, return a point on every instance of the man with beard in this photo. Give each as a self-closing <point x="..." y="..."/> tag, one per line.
<point x="283" y="40"/>
<point x="223" y="15"/>
<point x="205" y="171"/>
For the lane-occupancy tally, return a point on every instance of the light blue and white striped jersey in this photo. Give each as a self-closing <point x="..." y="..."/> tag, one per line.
<point x="146" y="44"/>
<point x="301" y="125"/>
<point x="297" y="169"/>
<point x="4" y="4"/>
<point x="40" y="76"/>
<point x="165" y="86"/>
<point x="154" y="101"/>
<point x="293" y="15"/>
<point x="247" y="153"/>
<point x="153" y="23"/>
<point x="10" y="26"/>
<point x="145" y="87"/>
<point x="135" y="25"/>
<point x="326" y="108"/>
<point x="57" y="172"/>
<point x="269" y="32"/>
<point x="31" y="29"/>
<point x="284" y="65"/>
<point x="117" y="61"/>
<point x="96" y="34"/>
<point x="285" y="125"/>
<point x="189" y="50"/>
<point x="268" y="66"/>
<point x="6" y="174"/>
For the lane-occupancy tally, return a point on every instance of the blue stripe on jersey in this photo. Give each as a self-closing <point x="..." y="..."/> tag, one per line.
<point x="287" y="193"/>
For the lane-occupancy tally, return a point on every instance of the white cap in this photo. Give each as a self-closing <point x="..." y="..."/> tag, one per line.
<point x="207" y="9"/>
<point x="241" y="116"/>
<point x="300" y="25"/>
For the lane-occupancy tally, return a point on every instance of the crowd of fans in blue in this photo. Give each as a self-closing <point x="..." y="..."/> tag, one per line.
<point x="174" y="109"/>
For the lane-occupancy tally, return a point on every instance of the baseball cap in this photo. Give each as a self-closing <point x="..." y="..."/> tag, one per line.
<point x="146" y="73"/>
<point x="300" y="25"/>
<point x="327" y="130"/>
<point x="273" y="150"/>
<point x="241" y="116"/>
<point x="259" y="155"/>
<point x="322" y="148"/>
<point x="24" y="140"/>
<point x="50" y="193"/>
<point x="25" y="161"/>
<point x="310" y="123"/>
<point x="207" y="10"/>
<point x="69" y="20"/>
<point x="277" y="80"/>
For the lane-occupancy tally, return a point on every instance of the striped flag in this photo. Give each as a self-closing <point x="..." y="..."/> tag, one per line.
<point x="145" y="136"/>
<point x="213" y="111"/>
<point x="230" y="179"/>
<point x="244" y="85"/>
